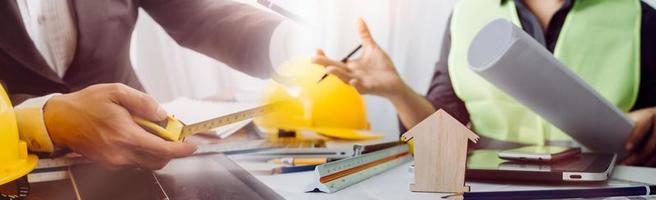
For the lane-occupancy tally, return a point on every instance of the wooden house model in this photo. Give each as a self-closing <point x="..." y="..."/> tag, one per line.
<point x="440" y="153"/>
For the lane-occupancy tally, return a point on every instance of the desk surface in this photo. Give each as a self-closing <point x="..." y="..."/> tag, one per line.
<point x="394" y="184"/>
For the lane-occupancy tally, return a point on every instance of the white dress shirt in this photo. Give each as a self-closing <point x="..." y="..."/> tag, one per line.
<point x="50" y="25"/>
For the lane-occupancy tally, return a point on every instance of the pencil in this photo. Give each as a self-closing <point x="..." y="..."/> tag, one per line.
<point x="564" y="193"/>
<point x="299" y="161"/>
<point x="344" y="60"/>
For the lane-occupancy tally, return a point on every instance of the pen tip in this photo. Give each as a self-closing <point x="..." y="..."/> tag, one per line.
<point x="323" y="77"/>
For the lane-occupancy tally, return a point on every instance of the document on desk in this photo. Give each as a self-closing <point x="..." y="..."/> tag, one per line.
<point x="511" y="60"/>
<point x="192" y="111"/>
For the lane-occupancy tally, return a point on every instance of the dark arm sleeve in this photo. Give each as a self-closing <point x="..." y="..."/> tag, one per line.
<point x="15" y="98"/>
<point x="19" y="98"/>
<point x="647" y="91"/>
<point x="440" y="92"/>
<point x="233" y="33"/>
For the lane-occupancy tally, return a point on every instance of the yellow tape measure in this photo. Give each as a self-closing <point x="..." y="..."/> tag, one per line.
<point x="173" y="129"/>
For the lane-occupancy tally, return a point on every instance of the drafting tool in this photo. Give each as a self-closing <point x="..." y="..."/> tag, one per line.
<point x="173" y="129"/>
<point x="232" y="148"/>
<point x="640" y="190"/>
<point x="304" y="148"/>
<point x="52" y="169"/>
<point x="292" y="169"/>
<point x="45" y="175"/>
<point x="65" y="161"/>
<point x="299" y="161"/>
<point x="334" y="176"/>
<point x="344" y="60"/>
<point x="359" y="149"/>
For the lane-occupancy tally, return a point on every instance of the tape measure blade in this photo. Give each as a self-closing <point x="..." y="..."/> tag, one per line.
<point x="225" y="120"/>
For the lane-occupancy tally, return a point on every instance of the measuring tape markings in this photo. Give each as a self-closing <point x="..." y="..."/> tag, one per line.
<point x="225" y="120"/>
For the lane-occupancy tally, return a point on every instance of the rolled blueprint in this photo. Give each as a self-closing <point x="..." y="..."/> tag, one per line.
<point x="511" y="60"/>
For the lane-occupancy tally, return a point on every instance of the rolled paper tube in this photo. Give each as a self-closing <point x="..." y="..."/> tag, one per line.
<point x="511" y="60"/>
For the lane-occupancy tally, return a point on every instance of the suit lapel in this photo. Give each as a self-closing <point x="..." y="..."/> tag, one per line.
<point x="85" y="15"/>
<point x="15" y="41"/>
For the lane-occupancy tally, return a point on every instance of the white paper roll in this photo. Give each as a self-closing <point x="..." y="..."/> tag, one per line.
<point x="514" y="62"/>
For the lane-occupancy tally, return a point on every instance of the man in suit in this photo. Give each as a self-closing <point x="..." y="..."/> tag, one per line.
<point x="65" y="63"/>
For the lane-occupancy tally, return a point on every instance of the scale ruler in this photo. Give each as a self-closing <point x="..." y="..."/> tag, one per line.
<point x="334" y="176"/>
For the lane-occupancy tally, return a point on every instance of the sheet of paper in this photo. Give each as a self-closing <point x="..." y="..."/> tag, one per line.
<point x="192" y="111"/>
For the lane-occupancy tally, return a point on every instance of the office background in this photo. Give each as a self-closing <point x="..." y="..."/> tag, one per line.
<point x="410" y="31"/>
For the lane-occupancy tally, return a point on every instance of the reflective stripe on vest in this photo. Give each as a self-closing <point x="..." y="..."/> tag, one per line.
<point x="599" y="41"/>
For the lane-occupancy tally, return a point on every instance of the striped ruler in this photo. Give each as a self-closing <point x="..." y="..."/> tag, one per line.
<point x="52" y="169"/>
<point x="334" y="176"/>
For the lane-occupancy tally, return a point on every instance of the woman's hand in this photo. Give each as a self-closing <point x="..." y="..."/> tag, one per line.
<point x="372" y="73"/>
<point x="641" y="144"/>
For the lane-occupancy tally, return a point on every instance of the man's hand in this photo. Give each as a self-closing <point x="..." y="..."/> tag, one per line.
<point x="641" y="144"/>
<point x="97" y="123"/>
<point x="372" y="73"/>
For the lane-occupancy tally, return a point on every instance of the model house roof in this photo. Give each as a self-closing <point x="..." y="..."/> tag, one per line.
<point x="442" y="119"/>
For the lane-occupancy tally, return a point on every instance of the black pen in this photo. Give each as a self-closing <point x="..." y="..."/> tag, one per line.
<point x="344" y="60"/>
<point x="564" y="193"/>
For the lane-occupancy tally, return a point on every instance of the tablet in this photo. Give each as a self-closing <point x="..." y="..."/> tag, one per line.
<point x="209" y="176"/>
<point x="587" y="167"/>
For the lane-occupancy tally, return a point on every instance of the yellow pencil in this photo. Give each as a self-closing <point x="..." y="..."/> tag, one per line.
<point x="299" y="161"/>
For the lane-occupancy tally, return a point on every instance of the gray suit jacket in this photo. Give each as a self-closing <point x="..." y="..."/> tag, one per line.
<point x="233" y="33"/>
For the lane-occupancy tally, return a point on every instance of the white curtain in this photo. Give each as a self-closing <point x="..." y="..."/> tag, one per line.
<point x="409" y="30"/>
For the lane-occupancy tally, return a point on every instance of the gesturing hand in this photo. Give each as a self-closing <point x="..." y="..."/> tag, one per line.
<point x="96" y="122"/>
<point x="372" y="73"/>
<point x="641" y="144"/>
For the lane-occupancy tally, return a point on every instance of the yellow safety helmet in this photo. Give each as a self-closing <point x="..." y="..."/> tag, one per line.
<point x="15" y="162"/>
<point x="328" y="107"/>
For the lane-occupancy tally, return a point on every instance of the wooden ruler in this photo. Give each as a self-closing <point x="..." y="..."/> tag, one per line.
<point x="334" y="176"/>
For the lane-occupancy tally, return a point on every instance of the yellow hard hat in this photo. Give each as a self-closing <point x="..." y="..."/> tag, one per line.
<point x="329" y="107"/>
<point x="14" y="160"/>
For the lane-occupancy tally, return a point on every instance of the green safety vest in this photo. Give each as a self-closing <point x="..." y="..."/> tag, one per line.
<point x="599" y="41"/>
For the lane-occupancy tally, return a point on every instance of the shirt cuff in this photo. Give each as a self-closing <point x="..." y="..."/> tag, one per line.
<point x="32" y="126"/>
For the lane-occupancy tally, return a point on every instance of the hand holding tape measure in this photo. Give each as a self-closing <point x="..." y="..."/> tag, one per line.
<point x="175" y="130"/>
